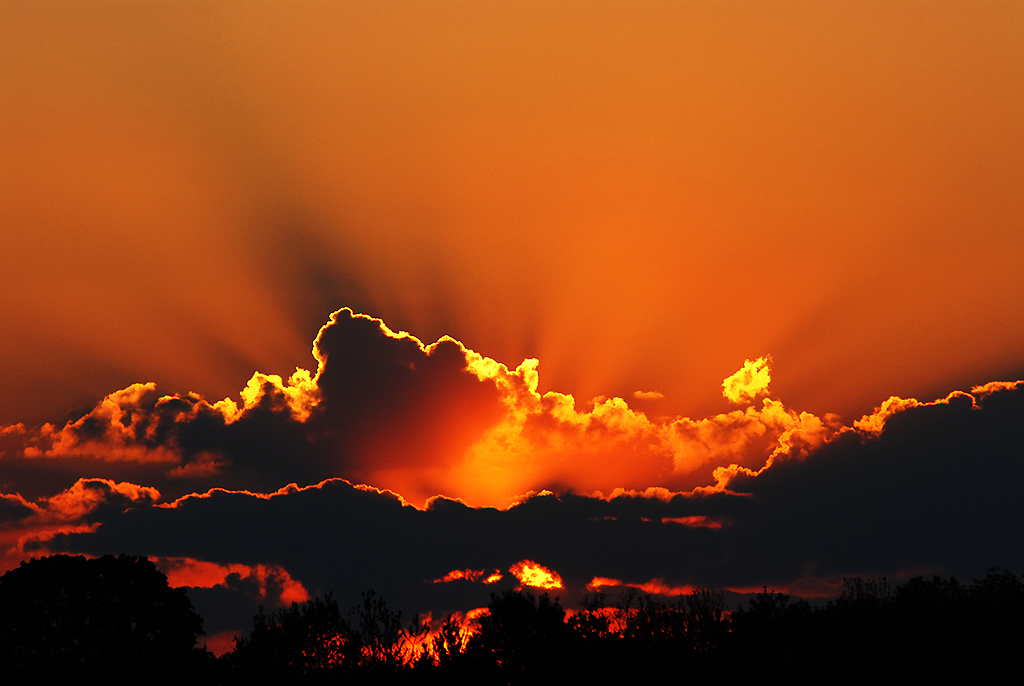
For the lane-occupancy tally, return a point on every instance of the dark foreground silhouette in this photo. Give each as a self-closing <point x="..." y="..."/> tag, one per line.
<point x="118" y="617"/>
<point x="108" y="616"/>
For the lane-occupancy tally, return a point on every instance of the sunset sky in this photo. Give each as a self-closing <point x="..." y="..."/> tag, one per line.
<point x="694" y="262"/>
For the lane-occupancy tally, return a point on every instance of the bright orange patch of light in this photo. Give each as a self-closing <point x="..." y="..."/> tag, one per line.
<point x="469" y="575"/>
<point x="456" y="574"/>
<point x="186" y="571"/>
<point x="425" y="643"/>
<point x="476" y="613"/>
<point x="600" y="581"/>
<point x="535" y="575"/>
<point x="750" y="381"/>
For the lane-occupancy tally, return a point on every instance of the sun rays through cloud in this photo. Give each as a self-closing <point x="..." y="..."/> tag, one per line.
<point x="640" y="299"/>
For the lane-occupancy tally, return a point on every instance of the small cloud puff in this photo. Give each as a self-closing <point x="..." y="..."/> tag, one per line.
<point x="749" y="382"/>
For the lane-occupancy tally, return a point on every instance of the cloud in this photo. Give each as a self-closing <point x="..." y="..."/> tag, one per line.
<point x="188" y="572"/>
<point x="94" y="499"/>
<point x="470" y="575"/>
<point x="26" y="526"/>
<point x="384" y="408"/>
<point x="14" y="508"/>
<point x="122" y="426"/>
<point x="88" y="500"/>
<point x="398" y="465"/>
<point x="936" y="491"/>
<point x="653" y="587"/>
<point x="749" y="382"/>
<point x="536" y="575"/>
<point x="380" y="403"/>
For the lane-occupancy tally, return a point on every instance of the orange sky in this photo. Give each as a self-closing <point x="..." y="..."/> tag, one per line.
<point x="630" y="217"/>
<point x="641" y="195"/>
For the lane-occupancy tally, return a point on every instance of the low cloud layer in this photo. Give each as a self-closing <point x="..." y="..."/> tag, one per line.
<point x="936" y="492"/>
<point x="386" y="409"/>
<point x="396" y="464"/>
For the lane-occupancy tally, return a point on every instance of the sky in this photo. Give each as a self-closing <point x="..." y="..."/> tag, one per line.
<point x="677" y="293"/>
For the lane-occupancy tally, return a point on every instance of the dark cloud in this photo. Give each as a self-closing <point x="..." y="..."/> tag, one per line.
<point x="783" y="498"/>
<point x="939" y="490"/>
<point x="378" y="401"/>
<point x="389" y="395"/>
<point x="383" y="408"/>
<point x="14" y="508"/>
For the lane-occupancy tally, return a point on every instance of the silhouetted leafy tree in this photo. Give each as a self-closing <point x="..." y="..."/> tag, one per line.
<point x="311" y="638"/>
<point x="592" y="622"/>
<point x="522" y="637"/>
<point x="659" y="639"/>
<point x="450" y="642"/>
<point x="993" y="625"/>
<point x="110" y="615"/>
<point x="380" y="633"/>
<point x="445" y="660"/>
<point x="922" y="630"/>
<point x="863" y="595"/>
<point x="770" y="635"/>
<point x="705" y="619"/>
<point x="312" y="641"/>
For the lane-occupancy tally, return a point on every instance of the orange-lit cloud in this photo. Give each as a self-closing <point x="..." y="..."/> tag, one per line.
<point x="27" y="526"/>
<point x="798" y="523"/>
<point x="985" y="390"/>
<point x="654" y="587"/>
<point x="384" y="408"/>
<point x="535" y="575"/>
<point x="874" y="423"/>
<point x="86" y="500"/>
<point x="750" y="381"/>
<point x="87" y="495"/>
<point x="115" y="429"/>
<point x="185" y="571"/>
<point x="546" y="439"/>
<point x="470" y="575"/>
<point x="689" y="492"/>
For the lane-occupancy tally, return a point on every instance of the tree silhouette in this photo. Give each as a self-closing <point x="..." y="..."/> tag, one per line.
<point x="771" y="635"/>
<point x="62" y="614"/>
<point x="380" y="632"/>
<point x="302" y="640"/>
<point x="523" y="637"/>
<point x="450" y="642"/>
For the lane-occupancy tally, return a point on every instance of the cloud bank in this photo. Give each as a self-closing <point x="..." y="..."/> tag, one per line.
<point x="397" y="465"/>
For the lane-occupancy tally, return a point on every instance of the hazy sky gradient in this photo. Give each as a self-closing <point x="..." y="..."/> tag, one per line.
<point x="642" y="195"/>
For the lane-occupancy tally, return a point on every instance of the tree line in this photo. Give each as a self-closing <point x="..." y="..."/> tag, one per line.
<point x="118" y="617"/>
